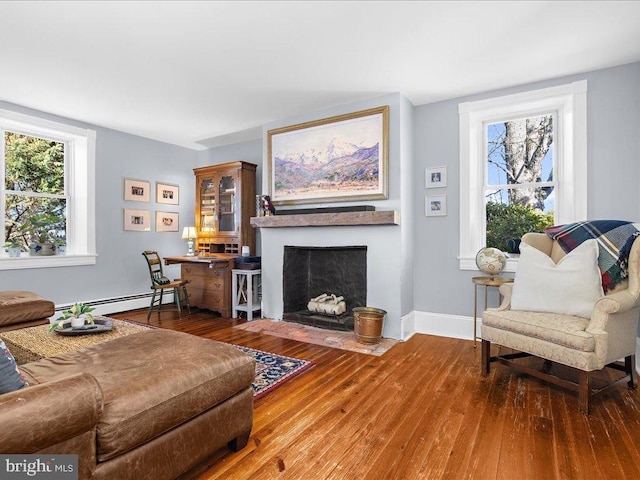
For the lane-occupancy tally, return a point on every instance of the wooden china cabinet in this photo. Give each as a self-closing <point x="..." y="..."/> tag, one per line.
<point x="225" y="202"/>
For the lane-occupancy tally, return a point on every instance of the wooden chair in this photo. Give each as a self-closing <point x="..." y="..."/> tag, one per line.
<point x="160" y="283"/>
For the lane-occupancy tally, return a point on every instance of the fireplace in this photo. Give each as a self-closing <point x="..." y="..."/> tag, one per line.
<point x="309" y="272"/>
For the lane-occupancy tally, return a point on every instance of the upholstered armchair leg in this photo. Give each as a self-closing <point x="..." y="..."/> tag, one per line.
<point x="486" y="356"/>
<point x="240" y="442"/>
<point x="584" y="391"/>
<point x="630" y="367"/>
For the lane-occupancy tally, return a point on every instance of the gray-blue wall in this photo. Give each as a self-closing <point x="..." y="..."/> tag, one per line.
<point x="429" y="137"/>
<point x="613" y="129"/>
<point x="120" y="268"/>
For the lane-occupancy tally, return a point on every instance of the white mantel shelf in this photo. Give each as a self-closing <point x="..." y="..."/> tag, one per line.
<point x="389" y="217"/>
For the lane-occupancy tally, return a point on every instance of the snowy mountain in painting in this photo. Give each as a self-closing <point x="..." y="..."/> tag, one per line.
<point x="337" y="148"/>
<point x="339" y="163"/>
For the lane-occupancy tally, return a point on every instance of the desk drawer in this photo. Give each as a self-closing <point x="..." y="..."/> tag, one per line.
<point x="190" y="271"/>
<point x="215" y="284"/>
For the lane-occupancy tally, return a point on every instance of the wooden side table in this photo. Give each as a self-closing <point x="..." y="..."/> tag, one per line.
<point x="486" y="282"/>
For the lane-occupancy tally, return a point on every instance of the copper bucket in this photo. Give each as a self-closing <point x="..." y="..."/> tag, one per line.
<point x="368" y="323"/>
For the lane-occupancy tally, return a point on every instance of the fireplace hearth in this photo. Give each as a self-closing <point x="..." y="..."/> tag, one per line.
<point x="310" y="272"/>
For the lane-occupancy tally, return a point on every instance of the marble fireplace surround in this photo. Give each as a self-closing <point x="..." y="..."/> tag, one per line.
<point x="380" y="233"/>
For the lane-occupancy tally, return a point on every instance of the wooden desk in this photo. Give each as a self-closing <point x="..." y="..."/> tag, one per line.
<point x="209" y="280"/>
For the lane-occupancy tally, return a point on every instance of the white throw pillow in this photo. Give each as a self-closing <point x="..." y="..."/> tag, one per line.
<point x="572" y="287"/>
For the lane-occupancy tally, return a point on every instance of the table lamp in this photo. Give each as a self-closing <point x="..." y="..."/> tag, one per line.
<point x="190" y="234"/>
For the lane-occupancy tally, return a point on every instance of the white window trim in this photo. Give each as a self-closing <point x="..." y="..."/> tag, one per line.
<point x="81" y="227"/>
<point x="569" y="102"/>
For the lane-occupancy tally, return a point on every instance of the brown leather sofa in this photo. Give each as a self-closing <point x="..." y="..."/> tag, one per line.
<point x="151" y="405"/>
<point x="21" y="309"/>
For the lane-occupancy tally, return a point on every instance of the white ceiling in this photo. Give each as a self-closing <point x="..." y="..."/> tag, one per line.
<point x="203" y="74"/>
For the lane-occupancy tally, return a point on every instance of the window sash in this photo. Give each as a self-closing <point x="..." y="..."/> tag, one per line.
<point x="79" y="190"/>
<point x="570" y="151"/>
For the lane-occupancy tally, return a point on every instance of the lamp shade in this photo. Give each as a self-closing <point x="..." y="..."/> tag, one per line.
<point x="189" y="232"/>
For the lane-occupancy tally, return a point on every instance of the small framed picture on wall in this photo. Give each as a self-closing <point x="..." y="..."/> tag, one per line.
<point x="435" y="206"/>
<point x="137" y="220"/>
<point x="168" y="194"/>
<point x="436" y="177"/>
<point x="136" y="190"/>
<point x="167" y="221"/>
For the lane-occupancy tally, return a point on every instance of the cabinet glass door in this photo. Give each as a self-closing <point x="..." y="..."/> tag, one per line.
<point x="227" y="207"/>
<point x="207" y="205"/>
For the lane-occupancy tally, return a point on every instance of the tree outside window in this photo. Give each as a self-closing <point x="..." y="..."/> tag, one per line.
<point x="34" y="190"/>
<point x="519" y="187"/>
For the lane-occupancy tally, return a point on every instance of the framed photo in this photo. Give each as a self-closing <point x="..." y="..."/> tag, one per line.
<point x="167" y="221"/>
<point x="136" y="190"/>
<point x="335" y="159"/>
<point x="137" y="220"/>
<point x="436" y="177"/>
<point x="169" y="194"/>
<point x="435" y="206"/>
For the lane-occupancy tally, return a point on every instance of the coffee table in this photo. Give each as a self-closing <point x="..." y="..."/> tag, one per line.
<point x="33" y="343"/>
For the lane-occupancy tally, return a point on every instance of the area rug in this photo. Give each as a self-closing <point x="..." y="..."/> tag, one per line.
<point x="273" y="370"/>
<point x="317" y="336"/>
<point x="33" y="343"/>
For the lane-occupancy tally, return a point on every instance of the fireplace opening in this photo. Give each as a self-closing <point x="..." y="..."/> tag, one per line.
<point x="311" y="272"/>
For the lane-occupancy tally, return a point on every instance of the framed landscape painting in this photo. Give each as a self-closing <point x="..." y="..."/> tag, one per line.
<point x="335" y="159"/>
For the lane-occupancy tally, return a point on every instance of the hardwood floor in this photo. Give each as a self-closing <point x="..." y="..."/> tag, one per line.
<point x="420" y="411"/>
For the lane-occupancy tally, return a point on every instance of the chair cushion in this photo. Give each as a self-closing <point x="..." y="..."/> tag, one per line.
<point x="565" y="330"/>
<point x="151" y="382"/>
<point x="10" y="377"/>
<point x="18" y="306"/>
<point x="570" y="287"/>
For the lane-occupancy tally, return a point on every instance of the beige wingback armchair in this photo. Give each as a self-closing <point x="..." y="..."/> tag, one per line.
<point x="585" y="344"/>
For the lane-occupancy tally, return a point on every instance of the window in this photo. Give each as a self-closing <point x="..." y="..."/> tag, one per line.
<point x="522" y="164"/>
<point x="47" y="186"/>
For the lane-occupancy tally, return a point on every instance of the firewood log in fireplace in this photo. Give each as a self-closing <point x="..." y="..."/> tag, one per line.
<point x="329" y="304"/>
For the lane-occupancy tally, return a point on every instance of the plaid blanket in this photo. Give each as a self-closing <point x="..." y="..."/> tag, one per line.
<point x="615" y="238"/>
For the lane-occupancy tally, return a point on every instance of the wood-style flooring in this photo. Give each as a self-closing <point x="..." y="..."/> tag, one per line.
<point x="420" y="411"/>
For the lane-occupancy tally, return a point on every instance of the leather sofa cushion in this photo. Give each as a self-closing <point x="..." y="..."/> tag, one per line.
<point x="18" y="306"/>
<point x="151" y="382"/>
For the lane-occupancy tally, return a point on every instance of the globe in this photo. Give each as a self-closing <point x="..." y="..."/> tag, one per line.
<point x="491" y="261"/>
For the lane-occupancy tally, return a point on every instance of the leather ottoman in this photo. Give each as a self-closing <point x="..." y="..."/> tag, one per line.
<point x="19" y="309"/>
<point x="169" y="400"/>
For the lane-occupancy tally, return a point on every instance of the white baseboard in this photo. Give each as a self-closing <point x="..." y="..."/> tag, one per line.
<point x="440" y="324"/>
<point x="408" y="326"/>
<point x="106" y="306"/>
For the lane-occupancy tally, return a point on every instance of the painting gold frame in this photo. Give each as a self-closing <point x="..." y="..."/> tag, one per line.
<point x="314" y="162"/>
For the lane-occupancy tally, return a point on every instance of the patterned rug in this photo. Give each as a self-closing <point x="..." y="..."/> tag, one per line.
<point x="317" y="336"/>
<point x="33" y="343"/>
<point x="273" y="370"/>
